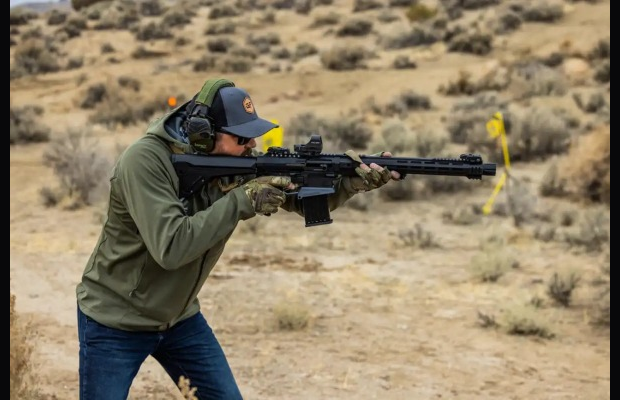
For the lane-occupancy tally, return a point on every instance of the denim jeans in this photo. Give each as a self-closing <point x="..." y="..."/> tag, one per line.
<point x="110" y="359"/>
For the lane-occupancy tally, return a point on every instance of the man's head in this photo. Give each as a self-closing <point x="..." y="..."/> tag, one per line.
<point x="222" y="120"/>
<point x="235" y="122"/>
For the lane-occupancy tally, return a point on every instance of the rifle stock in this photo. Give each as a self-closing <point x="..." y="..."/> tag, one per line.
<point x="314" y="172"/>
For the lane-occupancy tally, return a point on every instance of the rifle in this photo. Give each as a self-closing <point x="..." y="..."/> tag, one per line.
<point x="313" y="172"/>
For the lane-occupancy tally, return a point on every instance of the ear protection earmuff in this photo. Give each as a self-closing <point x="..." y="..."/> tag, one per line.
<point x="198" y="126"/>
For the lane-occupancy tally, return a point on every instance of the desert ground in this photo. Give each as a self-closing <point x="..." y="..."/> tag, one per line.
<point x="380" y="304"/>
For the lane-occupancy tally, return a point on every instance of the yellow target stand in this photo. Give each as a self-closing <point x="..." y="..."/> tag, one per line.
<point x="273" y="138"/>
<point x="496" y="129"/>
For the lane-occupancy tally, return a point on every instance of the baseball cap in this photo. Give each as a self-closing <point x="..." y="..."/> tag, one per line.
<point x="233" y="112"/>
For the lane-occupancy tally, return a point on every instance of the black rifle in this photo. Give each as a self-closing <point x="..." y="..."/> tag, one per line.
<point x="314" y="173"/>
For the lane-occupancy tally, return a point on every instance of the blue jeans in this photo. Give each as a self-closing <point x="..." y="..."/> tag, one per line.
<point x="110" y="359"/>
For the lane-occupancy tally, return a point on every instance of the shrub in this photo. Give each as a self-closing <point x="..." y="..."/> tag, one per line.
<point x="74" y="26"/>
<point x="403" y="62"/>
<point x="420" y="13"/>
<point x="596" y="103"/>
<point x="262" y="43"/>
<point x="405" y="102"/>
<point x="152" y="31"/>
<point x="585" y="172"/>
<point x="349" y="133"/>
<point x="223" y="11"/>
<point x="220" y="28"/>
<point x="151" y="8"/>
<point x="344" y="58"/>
<point x="95" y="94"/>
<point x="281" y="53"/>
<point x="560" y="287"/>
<point x="602" y="308"/>
<point x="473" y="43"/>
<point x="463" y="215"/>
<point x="176" y="18"/>
<point x="539" y="133"/>
<point x="491" y="264"/>
<point x="507" y="22"/>
<point x="21" y="16"/>
<point x="536" y="79"/>
<point x="417" y="237"/>
<point x="305" y="50"/>
<point x="525" y="321"/>
<point x="603" y="73"/>
<point x="542" y="12"/>
<point x="592" y="232"/>
<point x="291" y="316"/>
<point x="79" y="4"/>
<point x="237" y="64"/>
<point x="355" y="27"/>
<point x="520" y="201"/>
<point x="416" y="36"/>
<point x="303" y="125"/>
<point x="122" y="15"/>
<point x="366" y="5"/>
<point x="220" y="45"/>
<point x="80" y="166"/>
<point x="204" y="63"/>
<point x="56" y="17"/>
<point x="35" y="57"/>
<point x="142" y="52"/>
<point x="325" y="20"/>
<point x="25" y="125"/>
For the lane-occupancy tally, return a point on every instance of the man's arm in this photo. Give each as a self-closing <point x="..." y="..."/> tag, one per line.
<point x="146" y="188"/>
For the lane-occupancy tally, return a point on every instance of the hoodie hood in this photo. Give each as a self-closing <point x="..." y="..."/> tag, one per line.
<point x="169" y="128"/>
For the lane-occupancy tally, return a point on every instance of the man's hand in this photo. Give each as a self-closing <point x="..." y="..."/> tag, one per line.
<point x="371" y="176"/>
<point x="266" y="193"/>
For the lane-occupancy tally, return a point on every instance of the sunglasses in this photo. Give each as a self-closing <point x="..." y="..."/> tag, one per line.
<point x="241" y="141"/>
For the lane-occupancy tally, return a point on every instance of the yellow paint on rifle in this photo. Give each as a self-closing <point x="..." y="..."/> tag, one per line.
<point x="496" y="128"/>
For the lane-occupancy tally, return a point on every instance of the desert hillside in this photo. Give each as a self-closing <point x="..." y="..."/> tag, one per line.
<point x="414" y="292"/>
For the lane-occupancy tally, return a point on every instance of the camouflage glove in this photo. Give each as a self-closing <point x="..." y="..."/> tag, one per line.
<point x="265" y="193"/>
<point x="368" y="178"/>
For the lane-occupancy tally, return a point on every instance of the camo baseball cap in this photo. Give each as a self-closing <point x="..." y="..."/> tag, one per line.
<point x="233" y="112"/>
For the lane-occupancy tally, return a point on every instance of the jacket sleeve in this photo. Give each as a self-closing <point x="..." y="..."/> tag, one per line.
<point x="147" y="188"/>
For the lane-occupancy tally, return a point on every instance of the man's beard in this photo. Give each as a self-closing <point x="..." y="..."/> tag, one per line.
<point x="247" y="153"/>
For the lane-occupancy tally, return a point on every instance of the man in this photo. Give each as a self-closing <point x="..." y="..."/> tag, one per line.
<point x="138" y="293"/>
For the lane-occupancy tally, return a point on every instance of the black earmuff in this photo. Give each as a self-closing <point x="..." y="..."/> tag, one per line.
<point x="198" y="125"/>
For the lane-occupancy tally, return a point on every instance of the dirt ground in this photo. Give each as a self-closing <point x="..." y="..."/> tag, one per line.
<point x="386" y="320"/>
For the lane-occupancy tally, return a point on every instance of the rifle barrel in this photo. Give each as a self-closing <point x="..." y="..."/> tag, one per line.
<point x="469" y="165"/>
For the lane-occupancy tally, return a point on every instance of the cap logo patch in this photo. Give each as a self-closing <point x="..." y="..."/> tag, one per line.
<point x="248" y="106"/>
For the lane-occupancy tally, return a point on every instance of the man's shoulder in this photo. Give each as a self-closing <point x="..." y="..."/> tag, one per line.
<point x="147" y="147"/>
<point x="149" y="143"/>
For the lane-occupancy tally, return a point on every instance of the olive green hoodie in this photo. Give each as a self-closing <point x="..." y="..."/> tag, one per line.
<point x="154" y="252"/>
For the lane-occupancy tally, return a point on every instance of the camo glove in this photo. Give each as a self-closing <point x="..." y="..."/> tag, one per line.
<point x="368" y="178"/>
<point x="266" y="193"/>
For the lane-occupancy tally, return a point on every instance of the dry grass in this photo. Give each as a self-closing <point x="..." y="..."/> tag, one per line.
<point x="491" y="263"/>
<point x="21" y="382"/>
<point x="291" y="316"/>
<point x="587" y="167"/>
<point x="526" y="321"/>
<point x="187" y="391"/>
